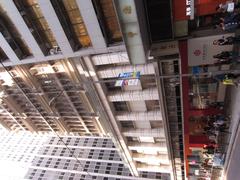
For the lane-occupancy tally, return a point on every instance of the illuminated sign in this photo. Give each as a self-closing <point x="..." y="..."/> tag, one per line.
<point x="128" y="82"/>
<point x="190" y="8"/>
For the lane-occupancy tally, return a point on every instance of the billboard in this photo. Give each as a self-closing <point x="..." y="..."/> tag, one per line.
<point x="201" y="50"/>
<point x="128" y="82"/>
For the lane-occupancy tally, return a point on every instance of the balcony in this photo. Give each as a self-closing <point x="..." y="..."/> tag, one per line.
<point x="108" y="20"/>
<point x="12" y="36"/>
<point x="71" y="20"/>
<point x="37" y="24"/>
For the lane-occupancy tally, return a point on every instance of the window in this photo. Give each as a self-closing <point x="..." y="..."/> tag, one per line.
<point x="120" y="106"/>
<point x="127" y="124"/>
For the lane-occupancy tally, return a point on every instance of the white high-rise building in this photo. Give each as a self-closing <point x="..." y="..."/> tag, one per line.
<point x="44" y="156"/>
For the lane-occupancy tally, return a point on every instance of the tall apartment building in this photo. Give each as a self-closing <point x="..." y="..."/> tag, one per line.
<point x="44" y="156"/>
<point x="61" y="61"/>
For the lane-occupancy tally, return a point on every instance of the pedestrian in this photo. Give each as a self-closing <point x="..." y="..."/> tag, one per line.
<point x="230" y="40"/>
<point x="229" y="26"/>
<point x="209" y="149"/>
<point x="219" y="123"/>
<point x="233" y="17"/>
<point x="228" y="7"/>
<point x="223" y="129"/>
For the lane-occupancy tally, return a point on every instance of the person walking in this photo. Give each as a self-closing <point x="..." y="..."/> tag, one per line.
<point x="228" y="7"/>
<point x="228" y="26"/>
<point x="231" y="26"/>
<point x="233" y="17"/>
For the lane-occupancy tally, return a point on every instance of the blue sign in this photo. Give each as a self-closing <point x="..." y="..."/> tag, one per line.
<point x="196" y="70"/>
<point x="130" y="75"/>
<point x="128" y="82"/>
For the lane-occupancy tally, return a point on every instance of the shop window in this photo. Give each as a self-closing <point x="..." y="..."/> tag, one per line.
<point x="203" y="22"/>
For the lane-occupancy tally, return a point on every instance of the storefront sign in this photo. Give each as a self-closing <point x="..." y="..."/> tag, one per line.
<point x="166" y="48"/>
<point x="128" y="82"/>
<point x="190" y="8"/>
<point x="201" y="50"/>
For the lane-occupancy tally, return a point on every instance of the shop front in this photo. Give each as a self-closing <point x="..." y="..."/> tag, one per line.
<point x="202" y="104"/>
<point x="191" y="15"/>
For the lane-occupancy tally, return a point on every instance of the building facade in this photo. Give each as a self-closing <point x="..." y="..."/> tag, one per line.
<point x="113" y="68"/>
<point x="45" y="156"/>
<point x="61" y="60"/>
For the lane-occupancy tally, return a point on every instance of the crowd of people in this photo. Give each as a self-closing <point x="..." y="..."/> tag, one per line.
<point x="214" y="125"/>
<point x="229" y="17"/>
<point x="228" y="20"/>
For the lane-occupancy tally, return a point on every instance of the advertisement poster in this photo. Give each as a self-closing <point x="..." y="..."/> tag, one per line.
<point x="128" y="82"/>
<point x="201" y="50"/>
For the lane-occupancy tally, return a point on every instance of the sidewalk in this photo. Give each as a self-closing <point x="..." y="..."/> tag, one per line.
<point x="232" y="154"/>
<point x="227" y="141"/>
<point x="232" y="108"/>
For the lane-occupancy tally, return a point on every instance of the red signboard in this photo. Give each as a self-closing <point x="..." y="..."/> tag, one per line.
<point x="202" y="7"/>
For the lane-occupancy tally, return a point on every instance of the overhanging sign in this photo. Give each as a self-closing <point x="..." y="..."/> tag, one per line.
<point x="190" y="8"/>
<point x="132" y="81"/>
